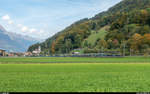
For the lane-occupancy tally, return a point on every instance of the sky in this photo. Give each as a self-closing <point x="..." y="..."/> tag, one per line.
<point x="44" y="18"/>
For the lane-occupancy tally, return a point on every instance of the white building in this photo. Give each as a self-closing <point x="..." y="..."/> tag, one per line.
<point x="37" y="51"/>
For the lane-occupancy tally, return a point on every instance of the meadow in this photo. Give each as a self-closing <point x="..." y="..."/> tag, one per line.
<point x="35" y="60"/>
<point x="57" y="76"/>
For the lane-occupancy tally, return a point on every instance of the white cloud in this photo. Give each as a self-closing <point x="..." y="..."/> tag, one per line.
<point x="20" y="28"/>
<point x="33" y="30"/>
<point x="19" y="25"/>
<point x="10" y="22"/>
<point x="24" y="28"/>
<point x="41" y="31"/>
<point x="6" y="17"/>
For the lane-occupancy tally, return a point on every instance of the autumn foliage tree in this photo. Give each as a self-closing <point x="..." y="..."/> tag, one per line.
<point x="53" y="48"/>
<point x="135" y="42"/>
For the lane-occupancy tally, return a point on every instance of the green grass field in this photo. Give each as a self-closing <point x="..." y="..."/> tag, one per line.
<point x="42" y="60"/>
<point x="130" y="74"/>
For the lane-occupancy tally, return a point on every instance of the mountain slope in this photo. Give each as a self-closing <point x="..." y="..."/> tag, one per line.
<point x="14" y="42"/>
<point x="133" y="14"/>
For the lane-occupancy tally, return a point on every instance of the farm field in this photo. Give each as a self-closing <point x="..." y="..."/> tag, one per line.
<point x="35" y="60"/>
<point x="129" y="74"/>
<point x="75" y="77"/>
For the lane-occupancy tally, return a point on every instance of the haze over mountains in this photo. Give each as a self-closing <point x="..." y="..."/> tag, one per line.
<point x="14" y="42"/>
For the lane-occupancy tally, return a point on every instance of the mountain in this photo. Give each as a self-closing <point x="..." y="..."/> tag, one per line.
<point x="123" y="24"/>
<point x="14" y="42"/>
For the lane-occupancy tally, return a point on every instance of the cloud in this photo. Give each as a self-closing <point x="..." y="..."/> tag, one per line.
<point x="33" y="30"/>
<point x="6" y="17"/>
<point x="24" y="28"/>
<point x="10" y="22"/>
<point x="41" y="31"/>
<point x="19" y="25"/>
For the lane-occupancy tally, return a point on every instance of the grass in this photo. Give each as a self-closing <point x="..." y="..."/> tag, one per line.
<point x="67" y="74"/>
<point x="94" y="36"/>
<point x="75" y="77"/>
<point x="74" y="60"/>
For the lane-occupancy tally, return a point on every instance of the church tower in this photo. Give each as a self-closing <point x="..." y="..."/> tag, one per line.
<point x="39" y="49"/>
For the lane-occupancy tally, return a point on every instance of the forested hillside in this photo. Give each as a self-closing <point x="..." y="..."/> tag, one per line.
<point x="126" y="25"/>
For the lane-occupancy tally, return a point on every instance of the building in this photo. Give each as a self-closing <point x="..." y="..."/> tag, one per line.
<point x="2" y="52"/>
<point x="28" y="54"/>
<point x="15" y="54"/>
<point x="76" y="53"/>
<point x="11" y="54"/>
<point x="37" y="52"/>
